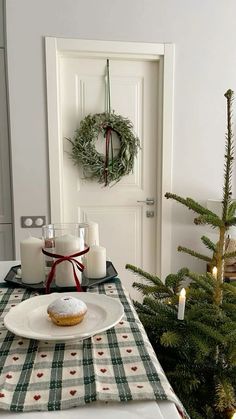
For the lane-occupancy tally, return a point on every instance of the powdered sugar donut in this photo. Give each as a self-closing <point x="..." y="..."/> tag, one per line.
<point x="67" y="311"/>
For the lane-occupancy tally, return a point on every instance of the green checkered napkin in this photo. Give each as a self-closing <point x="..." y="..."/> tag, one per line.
<point x="117" y="365"/>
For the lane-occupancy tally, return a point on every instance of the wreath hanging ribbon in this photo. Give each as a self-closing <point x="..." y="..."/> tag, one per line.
<point x="60" y="258"/>
<point x="108" y="138"/>
<point x="108" y="133"/>
<point x="99" y="166"/>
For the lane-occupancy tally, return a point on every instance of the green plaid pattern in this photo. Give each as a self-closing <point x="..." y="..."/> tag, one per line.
<point x="117" y="365"/>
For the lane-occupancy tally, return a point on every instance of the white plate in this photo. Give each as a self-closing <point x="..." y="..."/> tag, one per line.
<point x="29" y="319"/>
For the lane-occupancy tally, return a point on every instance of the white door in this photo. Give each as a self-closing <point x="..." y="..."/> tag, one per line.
<point x="127" y="228"/>
<point x="131" y="231"/>
<point x="6" y="245"/>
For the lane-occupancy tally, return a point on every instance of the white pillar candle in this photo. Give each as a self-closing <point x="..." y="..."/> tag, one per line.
<point x="92" y="234"/>
<point x="65" y="246"/>
<point x="96" y="262"/>
<point x="32" y="261"/>
<point x="214" y="272"/>
<point x="181" y="308"/>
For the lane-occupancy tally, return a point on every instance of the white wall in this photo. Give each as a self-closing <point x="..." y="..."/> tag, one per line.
<point x="205" y="67"/>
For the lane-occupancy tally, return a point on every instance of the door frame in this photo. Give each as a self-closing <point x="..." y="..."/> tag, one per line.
<point x="164" y="53"/>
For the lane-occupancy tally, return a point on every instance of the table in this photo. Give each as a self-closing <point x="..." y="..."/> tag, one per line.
<point x="131" y="410"/>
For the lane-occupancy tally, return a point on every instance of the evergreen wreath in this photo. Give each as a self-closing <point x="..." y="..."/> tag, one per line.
<point x="96" y="165"/>
<point x="99" y="166"/>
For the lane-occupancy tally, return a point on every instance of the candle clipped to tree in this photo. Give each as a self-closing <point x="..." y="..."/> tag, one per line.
<point x="198" y="353"/>
<point x="181" y="307"/>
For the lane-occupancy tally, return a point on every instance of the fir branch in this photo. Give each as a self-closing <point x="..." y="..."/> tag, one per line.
<point x="231" y="336"/>
<point x="188" y="380"/>
<point x="153" y="279"/>
<point x="191" y="204"/>
<point x="231" y="210"/>
<point x="203" y="312"/>
<point x="209" y="277"/>
<point x="194" y="254"/>
<point x="208" y="243"/>
<point x="232" y="355"/>
<point x="177" y="198"/>
<point x="141" y="308"/>
<point x="229" y="308"/>
<point x="182" y="273"/>
<point x="173" y="281"/>
<point x="202" y="282"/>
<point x="199" y="209"/>
<point x="229" y="288"/>
<point x="225" y="396"/>
<point x="229" y="325"/>
<point x="230" y="222"/>
<point x="171" y="339"/>
<point x="214" y="221"/>
<point x="202" y="346"/>
<point x="195" y="294"/>
<point x="229" y="255"/>
<point x="154" y="324"/>
<point x="208" y="331"/>
<point x="160" y="308"/>
<point x="149" y="321"/>
<point x="160" y="290"/>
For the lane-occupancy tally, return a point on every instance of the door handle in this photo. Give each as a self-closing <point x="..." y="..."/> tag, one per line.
<point x="148" y="201"/>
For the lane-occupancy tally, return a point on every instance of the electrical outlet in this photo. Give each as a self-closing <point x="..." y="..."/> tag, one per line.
<point x="33" y="221"/>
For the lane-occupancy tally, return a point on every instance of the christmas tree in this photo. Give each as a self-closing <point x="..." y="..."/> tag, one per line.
<point x="197" y="346"/>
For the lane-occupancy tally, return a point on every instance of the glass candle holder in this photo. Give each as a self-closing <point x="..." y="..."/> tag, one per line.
<point x="64" y="245"/>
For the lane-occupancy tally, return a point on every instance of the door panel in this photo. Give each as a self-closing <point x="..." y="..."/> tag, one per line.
<point x="5" y="186"/>
<point x="125" y="230"/>
<point x="6" y="245"/>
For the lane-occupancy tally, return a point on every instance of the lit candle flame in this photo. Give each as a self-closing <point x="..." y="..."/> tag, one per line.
<point x="214" y="273"/>
<point x="234" y="416"/>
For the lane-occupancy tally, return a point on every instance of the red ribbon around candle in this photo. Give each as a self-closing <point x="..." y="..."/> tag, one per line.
<point x="60" y="259"/>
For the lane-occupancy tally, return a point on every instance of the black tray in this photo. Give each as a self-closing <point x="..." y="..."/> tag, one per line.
<point x="13" y="279"/>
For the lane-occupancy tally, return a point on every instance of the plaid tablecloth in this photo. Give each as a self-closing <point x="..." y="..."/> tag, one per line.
<point x="117" y="365"/>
